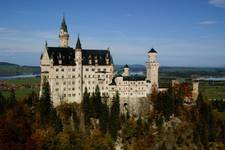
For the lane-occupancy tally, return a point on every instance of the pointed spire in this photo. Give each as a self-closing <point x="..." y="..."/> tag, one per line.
<point x="78" y="45"/>
<point x="63" y="24"/>
<point x="46" y="44"/>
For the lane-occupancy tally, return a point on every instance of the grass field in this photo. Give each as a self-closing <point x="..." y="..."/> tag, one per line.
<point x="24" y="86"/>
<point x="212" y="90"/>
<point x="24" y="81"/>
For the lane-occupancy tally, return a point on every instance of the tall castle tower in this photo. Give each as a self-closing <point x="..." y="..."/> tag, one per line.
<point x="152" y="68"/>
<point x="63" y="35"/>
<point x="78" y="62"/>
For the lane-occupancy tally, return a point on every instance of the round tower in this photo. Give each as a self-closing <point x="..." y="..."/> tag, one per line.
<point x="152" y="68"/>
<point x="195" y="90"/>
<point x="63" y="34"/>
<point x="79" y="70"/>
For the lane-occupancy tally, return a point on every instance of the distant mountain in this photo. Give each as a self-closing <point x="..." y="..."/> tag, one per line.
<point x="9" y="69"/>
<point x="7" y="64"/>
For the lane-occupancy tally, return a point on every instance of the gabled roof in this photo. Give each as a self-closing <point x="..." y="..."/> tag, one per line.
<point x="152" y="51"/>
<point x="60" y="53"/>
<point x="100" y="55"/>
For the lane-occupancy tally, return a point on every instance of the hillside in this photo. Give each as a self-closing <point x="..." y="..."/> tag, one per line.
<point x="9" y="69"/>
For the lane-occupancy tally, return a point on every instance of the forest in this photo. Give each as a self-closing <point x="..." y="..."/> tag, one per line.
<point x="33" y="123"/>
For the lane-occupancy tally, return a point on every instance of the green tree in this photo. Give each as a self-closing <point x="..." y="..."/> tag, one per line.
<point x="12" y="98"/>
<point x="115" y="116"/>
<point x="104" y="118"/>
<point x="86" y="107"/>
<point x="96" y="102"/>
<point x="55" y="121"/>
<point x="45" y="103"/>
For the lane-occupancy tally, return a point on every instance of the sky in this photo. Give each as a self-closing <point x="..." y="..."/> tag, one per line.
<point x="184" y="32"/>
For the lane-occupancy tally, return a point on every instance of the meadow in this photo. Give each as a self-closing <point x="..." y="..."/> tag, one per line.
<point x="22" y="86"/>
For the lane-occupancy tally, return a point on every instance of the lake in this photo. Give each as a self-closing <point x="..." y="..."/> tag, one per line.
<point x="19" y="76"/>
<point x="212" y="78"/>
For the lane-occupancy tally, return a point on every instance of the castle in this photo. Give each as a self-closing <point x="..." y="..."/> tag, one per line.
<point x="70" y="70"/>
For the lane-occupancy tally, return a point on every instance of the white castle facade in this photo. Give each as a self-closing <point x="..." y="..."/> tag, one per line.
<point x="70" y="70"/>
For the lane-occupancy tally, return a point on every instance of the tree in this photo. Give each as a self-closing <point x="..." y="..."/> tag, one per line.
<point x="2" y="103"/>
<point x="12" y="98"/>
<point x="55" y="121"/>
<point x="96" y="103"/>
<point x="104" y="118"/>
<point x="115" y="117"/>
<point x="86" y="107"/>
<point x="45" y="103"/>
<point x="199" y="101"/>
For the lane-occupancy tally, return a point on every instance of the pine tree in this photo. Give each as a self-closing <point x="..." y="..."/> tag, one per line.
<point x="45" y="103"/>
<point x="97" y="103"/>
<point x="12" y="98"/>
<point x="199" y="101"/>
<point x="55" y="121"/>
<point x="2" y="103"/>
<point x="86" y="107"/>
<point x="115" y="117"/>
<point x="104" y="118"/>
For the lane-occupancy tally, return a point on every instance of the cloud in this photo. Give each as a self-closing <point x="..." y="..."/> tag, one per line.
<point x="207" y="22"/>
<point x="217" y="3"/>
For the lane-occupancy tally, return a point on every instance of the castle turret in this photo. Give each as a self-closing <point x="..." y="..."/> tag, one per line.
<point x="125" y="71"/>
<point x="195" y="90"/>
<point x="79" y="68"/>
<point x="63" y="35"/>
<point x="152" y="68"/>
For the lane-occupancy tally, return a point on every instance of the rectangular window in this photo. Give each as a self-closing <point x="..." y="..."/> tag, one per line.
<point x="56" y="69"/>
<point x="62" y="69"/>
<point x="73" y="69"/>
<point x="87" y="69"/>
<point x="93" y="69"/>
